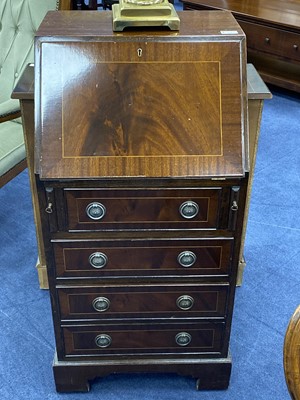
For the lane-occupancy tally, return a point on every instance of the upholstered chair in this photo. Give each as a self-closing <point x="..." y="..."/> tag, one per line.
<point x="19" y="19"/>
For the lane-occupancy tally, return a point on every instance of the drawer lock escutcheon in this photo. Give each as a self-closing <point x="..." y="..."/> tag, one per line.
<point x="98" y="260"/>
<point x="103" y="340"/>
<point x="101" y="304"/>
<point x="185" y="302"/>
<point x="95" y="210"/>
<point x="183" y="339"/>
<point x="189" y="209"/>
<point x="186" y="259"/>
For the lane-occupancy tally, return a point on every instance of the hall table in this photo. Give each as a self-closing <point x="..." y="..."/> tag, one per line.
<point x="272" y="28"/>
<point x="140" y="189"/>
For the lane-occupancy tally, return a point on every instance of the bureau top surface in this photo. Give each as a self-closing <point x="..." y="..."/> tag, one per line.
<point x="284" y="13"/>
<point x="83" y="23"/>
<point x="140" y="103"/>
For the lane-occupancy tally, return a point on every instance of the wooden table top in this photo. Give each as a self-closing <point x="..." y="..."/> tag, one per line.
<point x="285" y="13"/>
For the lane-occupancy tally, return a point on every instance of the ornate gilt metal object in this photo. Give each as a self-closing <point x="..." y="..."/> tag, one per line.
<point x="147" y="13"/>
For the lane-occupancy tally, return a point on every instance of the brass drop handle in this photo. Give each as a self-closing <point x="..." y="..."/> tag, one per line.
<point x="50" y="200"/>
<point x="185" y="302"/>
<point x="49" y="209"/>
<point x="234" y="206"/>
<point x="101" y="304"/>
<point x="95" y="210"/>
<point x="98" y="260"/>
<point x="183" y="339"/>
<point x="103" y="340"/>
<point x="189" y="209"/>
<point x="186" y="259"/>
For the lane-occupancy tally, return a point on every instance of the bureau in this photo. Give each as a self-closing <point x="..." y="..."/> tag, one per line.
<point x="142" y="177"/>
<point x="273" y="35"/>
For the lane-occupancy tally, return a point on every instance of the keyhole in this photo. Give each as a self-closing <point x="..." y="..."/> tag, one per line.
<point x="139" y="52"/>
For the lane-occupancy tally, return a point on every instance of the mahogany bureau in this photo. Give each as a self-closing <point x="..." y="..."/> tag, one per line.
<point x="142" y="177"/>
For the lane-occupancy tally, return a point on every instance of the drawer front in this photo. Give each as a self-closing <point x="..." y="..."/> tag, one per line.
<point x="143" y="208"/>
<point x="107" y="258"/>
<point x="271" y="40"/>
<point x="140" y="338"/>
<point x="142" y="301"/>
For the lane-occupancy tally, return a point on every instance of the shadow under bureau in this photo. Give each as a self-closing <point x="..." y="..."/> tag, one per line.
<point x="142" y="176"/>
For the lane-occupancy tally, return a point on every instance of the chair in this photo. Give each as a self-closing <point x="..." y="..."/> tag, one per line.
<point x="291" y="355"/>
<point x="19" y="20"/>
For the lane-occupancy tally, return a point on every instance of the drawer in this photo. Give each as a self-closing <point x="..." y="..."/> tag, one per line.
<point x="131" y="339"/>
<point x="142" y="302"/>
<point x="271" y="40"/>
<point x="138" y="258"/>
<point x="101" y="209"/>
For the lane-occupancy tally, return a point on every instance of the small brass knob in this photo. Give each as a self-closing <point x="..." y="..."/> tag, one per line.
<point x="186" y="259"/>
<point x="185" y="302"/>
<point x="183" y="339"/>
<point x="295" y="47"/>
<point x="267" y="40"/>
<point x="189" y="209"/>
<point x="98" y="260"/>
<point x="101" y="304"/>
<point x="95" y="210"/>
<point x="103" y="340"/>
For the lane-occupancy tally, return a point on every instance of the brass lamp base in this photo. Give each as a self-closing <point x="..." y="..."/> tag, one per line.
<point x="139" y="14"/>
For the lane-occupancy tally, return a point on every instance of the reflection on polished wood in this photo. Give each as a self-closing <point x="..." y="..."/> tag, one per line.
<point x="132" y="113"/>
<point x="144" y="116"/>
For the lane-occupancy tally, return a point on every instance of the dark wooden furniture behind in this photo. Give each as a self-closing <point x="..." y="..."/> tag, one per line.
<point x="272" y="28"/>
<point x="141" y="208"/>
<point x="93" y="4"/>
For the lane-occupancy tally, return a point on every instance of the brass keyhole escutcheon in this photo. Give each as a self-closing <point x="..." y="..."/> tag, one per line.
<point x="139" y="52"/>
